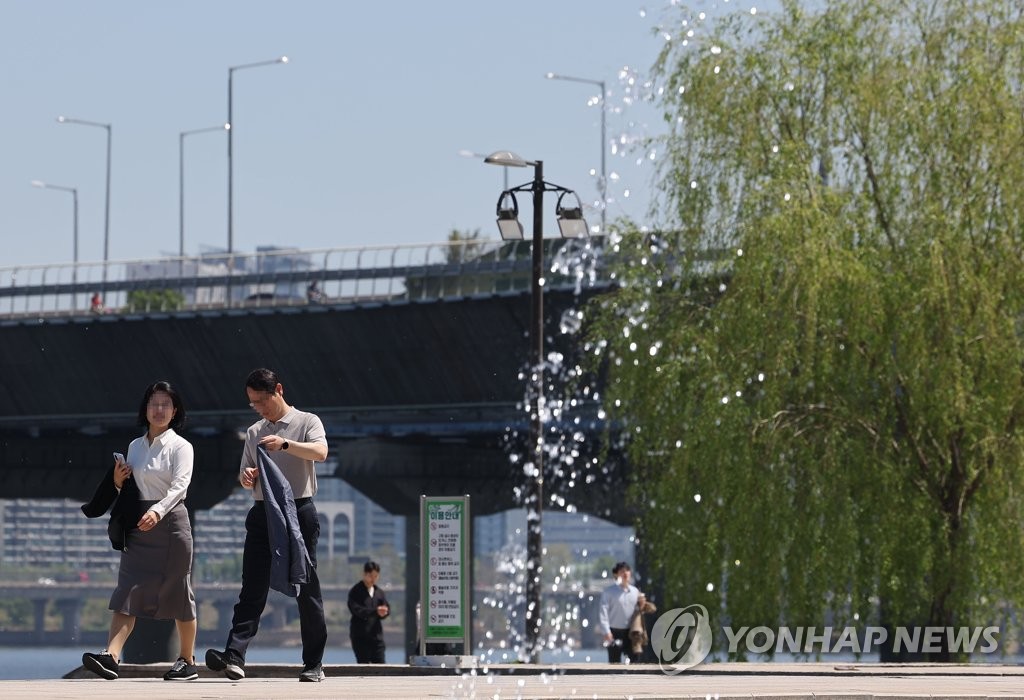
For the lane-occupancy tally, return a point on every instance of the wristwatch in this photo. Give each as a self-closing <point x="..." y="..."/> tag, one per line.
<point x="284" y="445"/>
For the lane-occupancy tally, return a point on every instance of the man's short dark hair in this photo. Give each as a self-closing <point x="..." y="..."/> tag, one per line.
<point x="371" y="566"/>
<point x="620" y="566"/>
<point x="262" y="379"/>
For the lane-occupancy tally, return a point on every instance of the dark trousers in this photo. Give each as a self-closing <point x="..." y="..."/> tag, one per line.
<point x="368" y="651"/>
<point x="256" y="585"/>
<point x="620" y="643"/>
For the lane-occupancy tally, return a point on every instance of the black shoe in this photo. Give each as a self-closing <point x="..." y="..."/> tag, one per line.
<point x="182" y="671"/>
<point x="312" y="673"/>
<point x="102" y="664"/>
<point x="227" y="661"/>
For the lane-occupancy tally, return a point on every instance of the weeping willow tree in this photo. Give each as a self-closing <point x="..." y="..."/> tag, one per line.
<point x="819" y="371"/>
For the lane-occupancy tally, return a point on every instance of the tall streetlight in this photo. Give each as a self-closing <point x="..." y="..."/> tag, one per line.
<point x="106" y="214"/>
<point x="74" y="194"/>
<point x="604" y="140"/>
<point x="571" y="225"/>
<point x="181" y="180"/>
<point x="231" y="131"/>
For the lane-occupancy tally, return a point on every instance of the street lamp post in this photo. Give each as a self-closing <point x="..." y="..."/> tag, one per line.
<point x="231" y="131"/>
<point x="571" y="225"/>
<point x="74" y="194"/>
<point x="106" y="214"/>
<point x="181" y="180"/>
<point x="604" y="139"/>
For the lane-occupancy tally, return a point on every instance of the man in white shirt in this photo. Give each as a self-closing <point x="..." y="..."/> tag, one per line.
<point x="618" y="602"/>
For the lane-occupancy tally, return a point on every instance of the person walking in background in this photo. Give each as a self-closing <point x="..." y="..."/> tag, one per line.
<point x="368" y="606"/>
<point x="294" y="440"/>
<point x="618" y="603"/>
<point x="153" y="578"/>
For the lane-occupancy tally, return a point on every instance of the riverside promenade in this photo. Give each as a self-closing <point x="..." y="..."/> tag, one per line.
<point x="585" y="681"/>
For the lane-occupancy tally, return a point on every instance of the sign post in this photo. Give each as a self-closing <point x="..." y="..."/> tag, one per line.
<point x="445" y="566"/>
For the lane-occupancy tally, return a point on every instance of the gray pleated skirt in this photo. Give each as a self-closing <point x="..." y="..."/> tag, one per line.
<point x="153" y="580"/>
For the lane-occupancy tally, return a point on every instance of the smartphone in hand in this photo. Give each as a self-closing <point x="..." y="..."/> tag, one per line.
<point x="118" y="457"/>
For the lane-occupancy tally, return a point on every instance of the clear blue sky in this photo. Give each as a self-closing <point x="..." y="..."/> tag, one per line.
<point x="354" y="142"/>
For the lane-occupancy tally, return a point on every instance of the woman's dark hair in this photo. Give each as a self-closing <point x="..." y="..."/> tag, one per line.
<point x="371" y="566"/>
<point x="262" y="380"/>
<point x="178" y="419"/>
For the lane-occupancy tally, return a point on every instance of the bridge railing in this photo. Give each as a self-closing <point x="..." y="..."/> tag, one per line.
<point x="289" y="277"/>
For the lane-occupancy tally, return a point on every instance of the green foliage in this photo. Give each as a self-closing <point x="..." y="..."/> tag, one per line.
<point x="825" y="417"/>
<point x="469" y="249"/>
<point x="16" y="614"/>
<point x="142" y="300"/>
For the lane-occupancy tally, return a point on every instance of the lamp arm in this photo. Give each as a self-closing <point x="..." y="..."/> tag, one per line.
<point x="501" y="199"/>
<point x="552" y="187"/>
<point x="525" y="187"/>
<point x="548" y="187"/>
<point x="558" y="204"/>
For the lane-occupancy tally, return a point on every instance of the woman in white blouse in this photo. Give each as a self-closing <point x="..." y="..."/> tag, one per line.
<point x="154" y="576"/>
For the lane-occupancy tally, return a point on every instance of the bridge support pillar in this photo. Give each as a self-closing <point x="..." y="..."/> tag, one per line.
<point x="225" y="611"/>
<point x="590" y="610"/>
<point x="152" y="641"/>
<point x="412" y="583"/>
<point x="39" y="617"/>
<point x="277" y="616"/>
<point x="71" y="617"/>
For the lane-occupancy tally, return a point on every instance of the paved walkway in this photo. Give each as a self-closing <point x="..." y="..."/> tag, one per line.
<point x="583" y="681"/>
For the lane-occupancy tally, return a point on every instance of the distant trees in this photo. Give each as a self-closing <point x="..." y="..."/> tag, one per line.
<point x="469" y="249"/>
<point x="140" y="300"/>
<point x="828" y="420"/>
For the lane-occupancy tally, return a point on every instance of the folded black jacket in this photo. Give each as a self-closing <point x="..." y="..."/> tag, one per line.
<point x="124" y="515"/>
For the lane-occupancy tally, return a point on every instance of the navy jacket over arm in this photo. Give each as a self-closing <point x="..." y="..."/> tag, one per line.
<point x="289" y="560"/>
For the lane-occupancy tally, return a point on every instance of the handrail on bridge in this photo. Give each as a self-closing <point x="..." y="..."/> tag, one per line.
<point x="275" y="277"/>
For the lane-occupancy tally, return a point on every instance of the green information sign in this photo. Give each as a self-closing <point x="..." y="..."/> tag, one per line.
<point x="444" y="527"/>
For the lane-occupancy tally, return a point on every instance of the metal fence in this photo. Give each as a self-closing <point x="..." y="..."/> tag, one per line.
<point x="291" y="277"/>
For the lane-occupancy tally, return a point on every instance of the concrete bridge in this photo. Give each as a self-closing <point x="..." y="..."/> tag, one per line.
<point x="409" y="355"/>
<point x="412" y="367"/>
